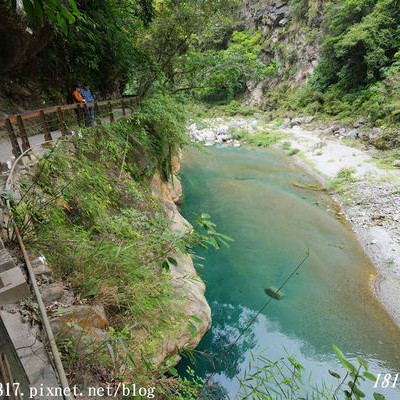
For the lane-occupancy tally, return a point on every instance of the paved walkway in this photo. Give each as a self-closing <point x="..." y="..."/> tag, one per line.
<point x="6" y="148"/>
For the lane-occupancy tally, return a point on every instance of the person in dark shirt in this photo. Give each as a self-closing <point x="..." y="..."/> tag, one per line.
<point x="87" y="96"/>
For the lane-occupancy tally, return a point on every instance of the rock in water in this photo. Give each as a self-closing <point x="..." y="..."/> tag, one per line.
<point x="274" y="293"/>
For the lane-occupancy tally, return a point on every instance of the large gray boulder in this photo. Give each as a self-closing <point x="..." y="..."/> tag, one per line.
<point x="207" y="135"/>
<point x="52" y="292"/>
<point x="197" y="312"/>
<point x="374" y="134"/>
<point x="226" y="137"/>
<point x="85" y="325"/>
<point x="301" y="120"/>
<point x="222" y="129"/>
<point x="353" y="134"/>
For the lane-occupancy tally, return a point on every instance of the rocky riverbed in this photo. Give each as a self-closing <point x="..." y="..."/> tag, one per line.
<point x="369" y="195"/>
<point x="222" y="130"/>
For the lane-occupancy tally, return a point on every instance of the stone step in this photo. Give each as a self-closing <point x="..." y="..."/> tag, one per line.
<point x="6" y="262"/>
<point x="4" y="219"/>
<point x="13" y="286"/>
<point x="3" y="178"/>
<point x="31" y="351"/>
<point x="7" y="349"/>
<point x="5" y="166"/>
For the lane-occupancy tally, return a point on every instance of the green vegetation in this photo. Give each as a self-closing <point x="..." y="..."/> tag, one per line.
<point x="100" y="48"/>
<point x="235" y="107"/>
<point x="143" y="46"/>
<point x="203" y="50"/>
<point x="286" y="146"/>
<point x="53" y="10"/>
<point x="361" y="44"/>
<point x="264" y="139"/>
<point x="260" y="380"/>
<point x="344" y="176"/>
<point x="359" y="72"/>
<point x="293" y="152"/>
<point x="388" y="159"/>
<point x="222" y="108"/>
<point x="87" y="207"/>
<point x="222" y="74"/>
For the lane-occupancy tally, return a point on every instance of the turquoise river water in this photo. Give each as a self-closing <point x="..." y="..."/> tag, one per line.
<point x="250" y="196"/>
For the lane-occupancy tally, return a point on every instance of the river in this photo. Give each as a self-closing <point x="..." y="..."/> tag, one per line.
<point x="250" y="195"/>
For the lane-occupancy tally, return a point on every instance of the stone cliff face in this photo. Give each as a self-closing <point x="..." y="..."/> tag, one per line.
<point x="20" y="44"/>
<point x="291" y="32"/>
<point x="186" y="281"/>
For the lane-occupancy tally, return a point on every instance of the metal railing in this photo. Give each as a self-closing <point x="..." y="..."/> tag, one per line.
<point x="58" y="119"/>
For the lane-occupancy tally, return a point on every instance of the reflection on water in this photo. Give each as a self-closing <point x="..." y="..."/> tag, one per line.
<point x="249" y="195"/>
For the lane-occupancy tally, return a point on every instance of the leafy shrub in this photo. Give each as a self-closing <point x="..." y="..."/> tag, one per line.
<point x="345" y="175"/>
<point x="235" y="107"/>
<point x="238" y="133"/>
<point x="293" y="152"/>
<point x="264" y="139"/>
<point x="286" y="146"/>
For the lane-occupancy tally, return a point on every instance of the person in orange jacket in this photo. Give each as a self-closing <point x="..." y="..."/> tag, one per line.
<point x="76" y="95"/>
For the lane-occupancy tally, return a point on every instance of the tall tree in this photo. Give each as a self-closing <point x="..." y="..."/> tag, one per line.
<point x="178" y="26"/>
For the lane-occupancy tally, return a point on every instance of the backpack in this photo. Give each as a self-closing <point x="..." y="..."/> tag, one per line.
<point x="70" y="98"/>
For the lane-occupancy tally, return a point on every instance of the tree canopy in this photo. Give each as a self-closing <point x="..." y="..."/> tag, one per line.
<point x="362" y="38"/>
<point x="176" y="45"/>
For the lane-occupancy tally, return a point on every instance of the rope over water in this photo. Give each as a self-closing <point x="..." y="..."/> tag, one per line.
<point x="251" y="323"/>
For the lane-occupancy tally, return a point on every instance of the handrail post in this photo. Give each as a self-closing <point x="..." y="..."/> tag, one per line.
<point x="111" y="112"/>
<point x="78" y="112"/>
<point x="123" y="107"/>
<point x="86" y="115"/>
<point x="47" y="133"/>
<point x="132" y="102"/>
<point x="97" y="114"/>
<point x="22" y="133"/>
<point x="63" y="127"/>
<point x="16" y="150"/>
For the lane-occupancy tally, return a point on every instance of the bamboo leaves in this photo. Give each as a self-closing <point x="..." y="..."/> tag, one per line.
<point x="356" y="376"/>
<point x="212" y="237"/>
<point x="54" y="10"/>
